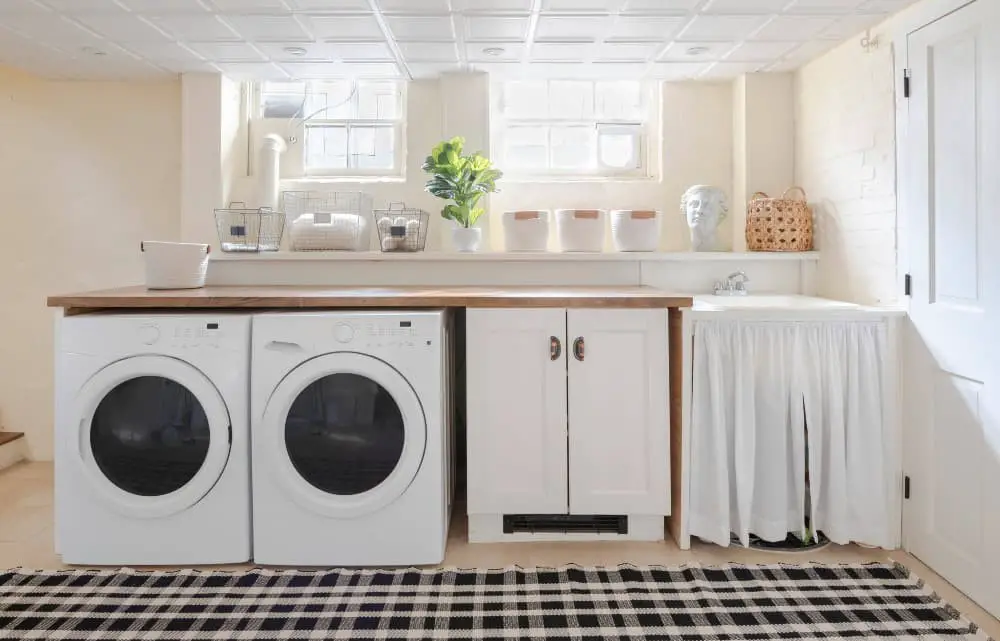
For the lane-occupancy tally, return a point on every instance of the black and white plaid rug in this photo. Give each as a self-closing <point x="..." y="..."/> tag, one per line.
<point x="628" y="602"/>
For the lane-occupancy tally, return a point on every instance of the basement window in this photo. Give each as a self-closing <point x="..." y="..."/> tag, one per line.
<point x="550" y="130"/>
<point x="334" y="128"/>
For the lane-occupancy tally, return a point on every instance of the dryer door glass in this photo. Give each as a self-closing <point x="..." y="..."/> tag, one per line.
<point x="149" y="436"/>
<point x="344" y="434"/>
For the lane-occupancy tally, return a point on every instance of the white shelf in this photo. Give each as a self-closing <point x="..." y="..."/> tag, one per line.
<point x="624" y="257"/>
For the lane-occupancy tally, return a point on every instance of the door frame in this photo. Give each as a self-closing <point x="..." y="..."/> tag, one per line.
<point x="902" y="27"/>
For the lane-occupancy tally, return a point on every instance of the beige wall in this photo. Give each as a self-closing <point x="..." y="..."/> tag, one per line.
<point x="87" y="171"/>
<point x="845" y="159"/>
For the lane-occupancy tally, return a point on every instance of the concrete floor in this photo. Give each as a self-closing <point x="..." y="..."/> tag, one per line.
<point x="26" y="535"/>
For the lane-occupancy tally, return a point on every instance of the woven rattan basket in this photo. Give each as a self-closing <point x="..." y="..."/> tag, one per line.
<point x="780" y="224"/>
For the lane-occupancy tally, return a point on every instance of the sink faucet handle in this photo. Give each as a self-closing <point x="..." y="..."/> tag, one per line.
<point x="741" y="275"/>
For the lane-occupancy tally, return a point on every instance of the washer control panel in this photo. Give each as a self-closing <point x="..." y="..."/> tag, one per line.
<point x="182" y="335"/>
<point x="402" y="334"/>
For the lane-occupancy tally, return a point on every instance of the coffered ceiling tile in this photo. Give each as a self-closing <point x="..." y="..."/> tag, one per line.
<point x="193" y="27"/>
<point x="322" y="6"/>
<point x="824" y="6"/>
<point x="160" y="6"/>
<point x="122" y="27"/>
<point x="794" y="28"/>
<point x="367" y="51"/>
<point x="28" y="6"/>
<point x="678" y="70"/>
<point x="583" y="6"/>
<point x="347" y="27"/>
<point x="163" y="51"/>
<point x="759" y="51"/>
<point x="661" y="6"/>
<point x="561" y="51"/>
<point x="722" y="28"/>
<point x="481" y="27"/>
<point x="414" y="6"/>
<point x="55" y="30"/>
<point x="492" y="5"/>
<point x="745" y="6"/>
<point x="572" y="26"/>
<point x="421" y="27"/>
<point x="647" y="27"/>
<point x="249" y="6"/>
<point x="696" y="51"/>
<point x="270" y="28"/>
<point x="850" y="26"/>
<point x="429" y="51"/>
<point x="497" y="51"/>
<point x="629" y="50"/>
<point x="810" y="50"/>
<point x="227" y="51"/>
<point x="310" y="70"/>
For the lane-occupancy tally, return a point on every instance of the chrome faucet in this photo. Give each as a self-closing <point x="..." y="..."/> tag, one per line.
<point x="734" y="285"/>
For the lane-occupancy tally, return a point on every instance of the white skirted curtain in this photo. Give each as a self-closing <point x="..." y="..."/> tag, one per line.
<point x="761" y="391"/>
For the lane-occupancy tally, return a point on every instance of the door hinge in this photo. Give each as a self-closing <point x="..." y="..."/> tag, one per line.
<point x="906" y="83"/>
<point x="907" y="285"/>
<point x="906" y="487"/>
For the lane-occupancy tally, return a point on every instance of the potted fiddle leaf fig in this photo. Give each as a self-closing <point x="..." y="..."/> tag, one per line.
<point x="463" y="180"/>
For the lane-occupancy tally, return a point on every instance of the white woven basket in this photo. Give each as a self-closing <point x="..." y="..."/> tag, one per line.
<point x="580" y="230"/>
<point x="175" y="265"/>
<point x="634" y="230"/>
<point x="526" y="231"/>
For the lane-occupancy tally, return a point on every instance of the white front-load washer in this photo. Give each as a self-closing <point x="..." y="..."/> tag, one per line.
<point x="152" y="439"/>
<point x="351" y="438"/>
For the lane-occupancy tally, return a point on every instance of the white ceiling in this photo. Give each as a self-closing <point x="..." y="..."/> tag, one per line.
<point x="669" y="39"/>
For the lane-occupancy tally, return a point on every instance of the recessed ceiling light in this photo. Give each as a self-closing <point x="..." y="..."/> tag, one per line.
<point x="296" y="51"/>
<point x="697" y="51"/>
<point x="494" y="51"/>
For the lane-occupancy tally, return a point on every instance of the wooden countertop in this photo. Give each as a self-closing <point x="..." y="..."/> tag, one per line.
<point x="355" y="297"/>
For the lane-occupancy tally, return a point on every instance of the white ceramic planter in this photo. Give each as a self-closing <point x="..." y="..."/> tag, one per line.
<point x="467" y="239"/>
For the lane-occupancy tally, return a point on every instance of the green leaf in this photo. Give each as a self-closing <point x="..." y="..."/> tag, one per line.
<point x="474" y="216"/>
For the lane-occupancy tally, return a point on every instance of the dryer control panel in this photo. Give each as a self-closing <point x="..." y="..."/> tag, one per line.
<point x="402" y="334"/>
<point x="185" y="335"/>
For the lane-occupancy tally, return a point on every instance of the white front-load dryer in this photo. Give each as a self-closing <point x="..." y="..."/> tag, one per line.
<point x="350" y="432"/>
<point x="152" y="439"/>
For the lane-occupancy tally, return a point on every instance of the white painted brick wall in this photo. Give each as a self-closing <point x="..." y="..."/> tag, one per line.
<point x="845" y="160"/>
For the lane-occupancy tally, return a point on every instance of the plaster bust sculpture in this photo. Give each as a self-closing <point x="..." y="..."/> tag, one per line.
<point x="705" y="207"/>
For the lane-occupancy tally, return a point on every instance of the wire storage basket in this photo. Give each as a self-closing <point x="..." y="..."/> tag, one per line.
<point x="249" y="230"/>
<point x="328" y="221"/>
<point x="402" y="228"/>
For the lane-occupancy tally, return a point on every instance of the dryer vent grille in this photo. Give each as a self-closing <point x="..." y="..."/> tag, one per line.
<point x="564" y="523"/>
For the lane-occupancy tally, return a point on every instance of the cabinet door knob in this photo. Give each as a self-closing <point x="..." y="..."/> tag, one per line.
<point x="555" y="348"/>
<point x="578" y="347"/>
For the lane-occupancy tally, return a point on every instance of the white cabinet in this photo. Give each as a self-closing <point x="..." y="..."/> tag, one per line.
<point x="568" y="413"/>
<point x="516" y="406"/>
<point x="618" y="412"/>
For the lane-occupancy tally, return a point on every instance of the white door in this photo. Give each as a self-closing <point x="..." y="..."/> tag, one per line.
<point x="952" y="194"/>
<point x="619" y="432"/>
<point x="516" y="405"/>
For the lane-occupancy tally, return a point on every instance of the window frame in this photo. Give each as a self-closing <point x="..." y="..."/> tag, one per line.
<point x="293" y="131"/>
<point x="647" y="130"/>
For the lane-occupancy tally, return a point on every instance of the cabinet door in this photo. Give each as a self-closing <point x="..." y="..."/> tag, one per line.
<point x="619" y="432"/>
<point x="516" y="404"/>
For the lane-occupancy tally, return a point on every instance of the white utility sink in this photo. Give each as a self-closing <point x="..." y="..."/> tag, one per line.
<point x="764" y="302"/>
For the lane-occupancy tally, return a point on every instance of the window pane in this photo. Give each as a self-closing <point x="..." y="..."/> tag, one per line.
<point x="378" y="100"/>
<point x="525" y="100"/>
<point x="373" y="147"/>
<point x="527" y="147"/>
<point x="619" y="150"/>
<point x="326" y="147"/>
<point x="572" y="147"/>
<point x="331" y="100"/>
<point x="571" y="100"/>
<point x="619" y="100"/>
<point x="282" y="99"/>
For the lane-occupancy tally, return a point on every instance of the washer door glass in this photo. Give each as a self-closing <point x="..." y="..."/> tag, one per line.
<point x="150" y="436"/>
<point x="154" y="435"/>
<point x="345" y="434"/>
